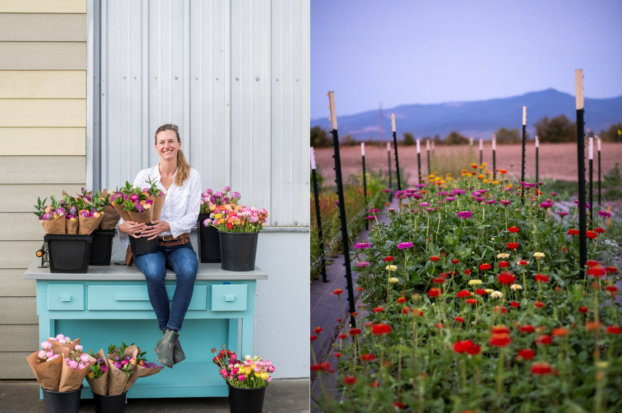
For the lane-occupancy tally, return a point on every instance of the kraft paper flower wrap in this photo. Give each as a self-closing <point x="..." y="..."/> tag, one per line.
<point x="60" y="341"/>
<point x="47" y="369"/>
<point x="99" y="385"/>
<point x="71" y="218"/>
<point x="120" y="368"/>
<point x="111" y="216"/>
<point x="75" y="367"/>
<point x="90" y="215"/>
<point x="142" y="369"/>
<point x="51" y="217"/>
<point x="119" y="197"/>
<point x="140" y="207"/>
<point x="157" y="197"/>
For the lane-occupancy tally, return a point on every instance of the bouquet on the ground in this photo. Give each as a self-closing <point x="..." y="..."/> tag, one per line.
<point x="119" y="197"/>
<point x="126" y="365"/>
<point x="89" y="215"/>
<point x="46" y="364"/>
<point x="139" y="206"/>
<point x="237" y="218"/>
<point x="75" y="368"/>
<point x="111" y="216"/>
<point x="157" y="196"/>
<point x="51" y="217"/>
<point x="71" y="217"/>
<point x="98" y="376"/>
<point x="250" y="373"/>
<point x="61" y="341"/>
<point x="143" y="368"/>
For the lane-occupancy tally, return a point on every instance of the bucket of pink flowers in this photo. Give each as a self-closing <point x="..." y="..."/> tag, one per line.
<point x="209" y="240"/>
<point x="238" y="227"/>
<point x="247" y="380"/>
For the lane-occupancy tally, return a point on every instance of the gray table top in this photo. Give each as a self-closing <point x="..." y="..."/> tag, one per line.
<point x="124" y="273"/>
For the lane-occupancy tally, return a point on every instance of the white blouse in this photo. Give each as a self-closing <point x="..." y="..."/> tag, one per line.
<point x="181" y="205"/>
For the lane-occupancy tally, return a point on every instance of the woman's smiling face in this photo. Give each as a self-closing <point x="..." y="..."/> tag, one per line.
<point x="167" y="145"/>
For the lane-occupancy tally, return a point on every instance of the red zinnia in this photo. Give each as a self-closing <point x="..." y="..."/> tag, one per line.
<point x="612" y="289"/>
<point x="405" y="310"/>
<point x="539" y="304"/>
<point x="434" y="258"/>
<point x="349" y="380"/>
<point x="458" y="319"/>
<point x="591" y="263"/>
<point x="512" y="245"/>
<point x="463" y="293"/>
<point x="438" y="280"/>
<point x="485" y="267"/>
<point x="417" y="312"/>
<point x="462" y="346"/>
<point x="592" y="325"/>
<point x="523" y="262"/>
<point x="500" y="340"/>
<point x="504" y="264"/>
<point x="439" y="325"/>
<point x="500" y="330"/>
<point x="541" y="368"/>
<point x="559" y="332"/>
<point x="378" y="309"/>
<point x="378" y="329"/>
<point x="338" y="291"/>
<point x="573" y="231"/>
<point x="541" y="278"/>
<point x="337" y="355"/>
<point x="369" y="324"/>
<point x="455" y="261"/>
<point x="355" y="331"/>
<point x="360" y="288"/>
<point x="399" y="405"/>
<point x="583" y="310"/>
<point x="318" y="329"/>
<point x="474" y="349"/>
<point x="527" y="354"/>
<point x="506" y="278"/>
<point x="515" y="304"/>
<point x="503" y="310"/>
<point x="368" y="357"/>
<point x="389" y="259"/>
<point x="434" y="292"/>
<point x="480" y="291"/>
<point x="513" y="230"/>
<point x="591" y="234"/>
<point x="313" y="338"/>
<point x="614" y="330"/>
<point x="527" y="328"/>
<point x="471" y="301"/>
<point x="402" y="300"/>
<point x="596" y="272"/>
<point x="443" y="274"/>
<point x="611" y="270"/>
<point x="342" y="336"/>
<point x="544" y="339"/>
<point x="599" y="230"/>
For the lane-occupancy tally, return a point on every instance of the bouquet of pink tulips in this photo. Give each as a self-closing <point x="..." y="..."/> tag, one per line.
<point x="250" y="373"/>
<point x="46" y="364"/>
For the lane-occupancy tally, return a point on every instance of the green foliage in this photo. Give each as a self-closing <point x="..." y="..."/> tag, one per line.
<point x="453" y="162"/>
<point x="409" y="139"/>
<point x="348" y="140"/>
<point x="454" y="138"/>
<point x="613" y="177"/>
<point x="556" y="130"/>
<point x="612" y="134"/>
<point x="320" y="138"/>
<point x="508" y="136"/>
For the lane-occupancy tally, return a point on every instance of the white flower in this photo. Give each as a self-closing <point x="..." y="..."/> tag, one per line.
<point x="475" y="282"/>
<point x="496" y="294"/>
<point x="247" y="357"/>
<point x="516" y="287"/>
<point x="503" y="255"/>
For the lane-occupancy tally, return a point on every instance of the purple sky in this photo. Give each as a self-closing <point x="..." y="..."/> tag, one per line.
<point x="426" y="51"/>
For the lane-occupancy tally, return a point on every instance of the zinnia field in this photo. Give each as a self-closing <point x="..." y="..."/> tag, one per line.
<point x="473" y="301"/>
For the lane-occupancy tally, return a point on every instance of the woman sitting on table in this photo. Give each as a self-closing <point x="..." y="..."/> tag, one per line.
<point x="180" y="212"/>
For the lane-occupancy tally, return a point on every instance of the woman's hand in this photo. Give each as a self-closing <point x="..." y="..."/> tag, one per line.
<point x="154" y="231"/>
<point x="131" y="228"/>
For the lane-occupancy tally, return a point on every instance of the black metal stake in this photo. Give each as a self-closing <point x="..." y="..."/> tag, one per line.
<point x="342" y="210"/>
<point x="397" y="162"/>
<point x="581" y="173"/>
<point x="316" y="192"/>
<point x="522" y="172"/>
<point x="365" y="190"/>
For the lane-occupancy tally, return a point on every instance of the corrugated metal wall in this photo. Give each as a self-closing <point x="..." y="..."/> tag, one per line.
<point x="232" y="74"/>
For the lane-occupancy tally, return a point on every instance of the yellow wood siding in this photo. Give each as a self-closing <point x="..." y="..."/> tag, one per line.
<point x="43" y="6"/>
<point x="42" y="141"/>
<point x="42" y="55"/>
<point x="43" y="112"/>
<point x="42" y="84"/>
<point x="43" y="27"/>
<point x="21" y="198"/>
<point x="42" y="170"/>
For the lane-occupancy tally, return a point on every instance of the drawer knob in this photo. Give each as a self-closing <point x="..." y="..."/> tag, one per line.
<point x="229" y="297"/>
<point x="65" y="298"/>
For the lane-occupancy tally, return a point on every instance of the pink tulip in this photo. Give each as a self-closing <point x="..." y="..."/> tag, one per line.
<point x="41" y="354"/>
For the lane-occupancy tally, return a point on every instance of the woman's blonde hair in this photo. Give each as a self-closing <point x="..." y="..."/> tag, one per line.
<point x="183" y="167"/>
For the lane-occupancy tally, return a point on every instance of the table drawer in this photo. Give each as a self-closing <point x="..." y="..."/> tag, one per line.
<point x="136" y="297"/>
<point x="229" y="297"/>
<point x="66" y="297"/>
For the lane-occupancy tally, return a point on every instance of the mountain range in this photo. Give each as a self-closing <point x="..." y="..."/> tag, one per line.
<point x="479" y="119"/>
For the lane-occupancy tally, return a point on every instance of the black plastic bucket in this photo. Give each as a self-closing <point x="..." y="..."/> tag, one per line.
<point x="238" y="250"/>
<point x="69" y="253"/>
<point x="209" y="241"/>
<point x="141" y="246"/>
<point x="246" y="400"/>
<point x="62" y="402"/>
<point x="101" y="248"/>
<point x="109" y="404"/>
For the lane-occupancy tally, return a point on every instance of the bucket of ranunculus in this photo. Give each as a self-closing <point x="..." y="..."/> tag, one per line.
<point x="60" y="370"/>
<point x="247" y="380"/>
<point x="208" y="238"/>
<point x="238" y="227"/>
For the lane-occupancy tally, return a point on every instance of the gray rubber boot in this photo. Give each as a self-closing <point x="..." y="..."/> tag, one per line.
<point x="164" y="348"/>
<point x="178" y="352"/>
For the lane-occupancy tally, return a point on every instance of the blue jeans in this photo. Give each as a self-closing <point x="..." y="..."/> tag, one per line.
<point x="183" y="261"/>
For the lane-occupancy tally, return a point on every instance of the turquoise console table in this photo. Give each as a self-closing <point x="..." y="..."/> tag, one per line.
<point x="110" y="304"/>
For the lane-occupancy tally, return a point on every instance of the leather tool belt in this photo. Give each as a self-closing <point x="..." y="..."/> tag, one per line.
<point x="170" y="241"/>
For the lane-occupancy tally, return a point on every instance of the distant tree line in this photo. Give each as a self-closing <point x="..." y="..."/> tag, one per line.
<point x="555" y="130"/>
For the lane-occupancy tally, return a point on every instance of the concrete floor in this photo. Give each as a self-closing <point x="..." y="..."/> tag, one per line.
<point x="282" y="396"/>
